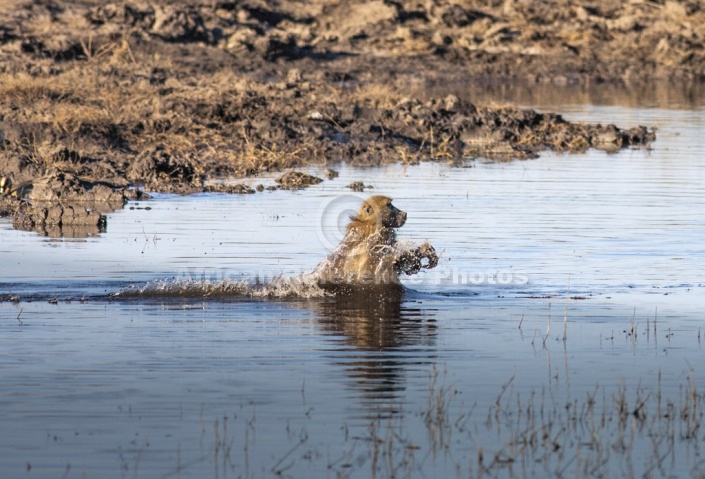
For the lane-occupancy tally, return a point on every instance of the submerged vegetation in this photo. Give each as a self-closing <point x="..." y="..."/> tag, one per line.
<point x="610" y="430"/>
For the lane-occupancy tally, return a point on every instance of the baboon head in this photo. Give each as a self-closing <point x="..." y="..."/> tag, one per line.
<point x="379" y="210"/>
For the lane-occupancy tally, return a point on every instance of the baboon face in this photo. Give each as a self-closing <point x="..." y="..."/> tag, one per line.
<point x="380" y="210"/>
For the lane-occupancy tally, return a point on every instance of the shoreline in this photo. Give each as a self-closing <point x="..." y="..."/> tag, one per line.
<point x="166" y="97"/>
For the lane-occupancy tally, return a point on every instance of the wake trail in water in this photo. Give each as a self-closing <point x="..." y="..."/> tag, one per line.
<point x="302" y="287"/>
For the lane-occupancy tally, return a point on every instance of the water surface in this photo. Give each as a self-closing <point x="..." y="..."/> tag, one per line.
<point x="569" y="286"/>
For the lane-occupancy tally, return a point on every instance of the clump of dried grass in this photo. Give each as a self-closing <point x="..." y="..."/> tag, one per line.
<point x="22" y="90"/>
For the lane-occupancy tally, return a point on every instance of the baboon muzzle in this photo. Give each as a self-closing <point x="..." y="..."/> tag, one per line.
<point x="401" y="218"/>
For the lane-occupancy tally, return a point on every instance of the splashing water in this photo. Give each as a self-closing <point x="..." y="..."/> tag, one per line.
<point x="304" y="287"/>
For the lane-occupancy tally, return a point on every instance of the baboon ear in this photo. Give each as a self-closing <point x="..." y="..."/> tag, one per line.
<point x="368" y="209"/>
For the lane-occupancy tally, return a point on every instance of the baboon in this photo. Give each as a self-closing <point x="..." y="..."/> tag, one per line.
<point x="369" y="257"/>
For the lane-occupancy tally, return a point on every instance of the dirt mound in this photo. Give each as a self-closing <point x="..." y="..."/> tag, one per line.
<point x="297" y="180"/>
<point x="157" y="169"/>
<point x="62" y="205"/>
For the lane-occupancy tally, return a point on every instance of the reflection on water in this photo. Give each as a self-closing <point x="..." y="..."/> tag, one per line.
<point x="375" y="322"/>
<point x="561" y="332"/>
<point x="376" y="329"/>
<point x="665" y="95"/>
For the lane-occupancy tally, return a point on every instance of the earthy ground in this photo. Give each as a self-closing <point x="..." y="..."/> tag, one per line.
<point x="96" y="97"/>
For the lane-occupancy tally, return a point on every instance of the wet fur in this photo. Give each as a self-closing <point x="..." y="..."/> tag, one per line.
<point x="369" y="256"/>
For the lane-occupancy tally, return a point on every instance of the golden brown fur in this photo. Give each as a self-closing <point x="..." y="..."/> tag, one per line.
<point x="368" y="255"/>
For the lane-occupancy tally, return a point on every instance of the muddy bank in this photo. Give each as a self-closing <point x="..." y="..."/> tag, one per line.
<point x="587" y="40"/>
<point x="163" y="96"/>
<point x="129" y="131"/>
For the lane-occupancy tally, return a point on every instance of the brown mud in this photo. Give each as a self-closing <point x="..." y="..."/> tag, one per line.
<point x="164" y="95"/>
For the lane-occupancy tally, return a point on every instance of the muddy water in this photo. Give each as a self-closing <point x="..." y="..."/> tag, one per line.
<point x="560" y="334"/>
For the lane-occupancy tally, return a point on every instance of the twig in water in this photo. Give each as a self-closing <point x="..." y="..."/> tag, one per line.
<point x="276" y="469"/>
<point x="504" y="388"/>
<point x="22" y="323"/>
<point x="548" y="328"/>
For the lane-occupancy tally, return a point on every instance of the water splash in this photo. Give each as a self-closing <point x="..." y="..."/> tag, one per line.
<point x="303" y="287"/>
